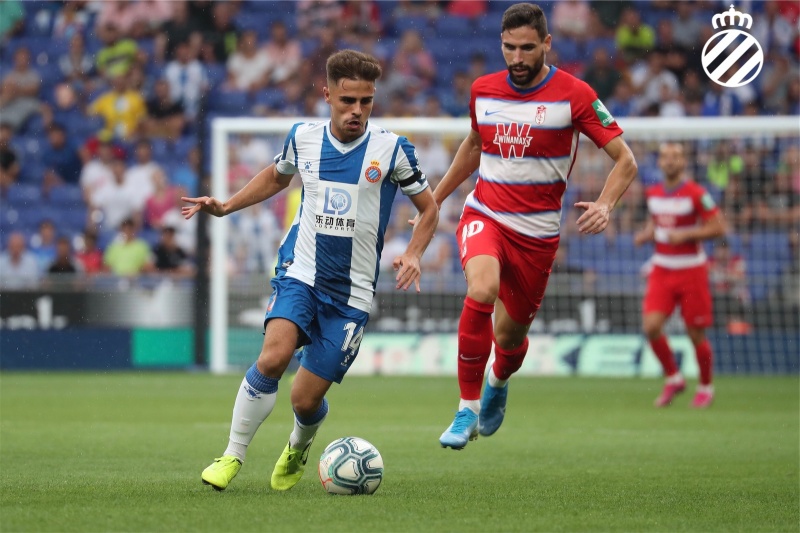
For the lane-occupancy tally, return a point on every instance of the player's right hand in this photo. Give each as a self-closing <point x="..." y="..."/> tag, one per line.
<point x="206" y="204"/>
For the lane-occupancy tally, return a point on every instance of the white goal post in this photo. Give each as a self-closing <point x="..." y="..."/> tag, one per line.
<point x="645" y="129"/>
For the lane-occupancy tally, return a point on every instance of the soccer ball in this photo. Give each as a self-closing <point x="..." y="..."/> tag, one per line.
<point x="351" y="465"/>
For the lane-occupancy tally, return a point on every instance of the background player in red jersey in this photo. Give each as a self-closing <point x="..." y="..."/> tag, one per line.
<point x="682" y="215"/>
<point x="525" y="127"/>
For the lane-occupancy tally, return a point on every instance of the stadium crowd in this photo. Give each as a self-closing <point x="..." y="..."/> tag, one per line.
<point x="102" y="105"/>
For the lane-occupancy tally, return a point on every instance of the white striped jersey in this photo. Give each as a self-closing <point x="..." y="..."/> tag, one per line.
<point x="529" y="144"/>
<point x="336" y="238"/>
<point x="686" y="206"/>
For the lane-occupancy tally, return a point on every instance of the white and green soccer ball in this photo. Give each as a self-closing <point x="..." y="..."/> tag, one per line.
<point x="351" y="465"/>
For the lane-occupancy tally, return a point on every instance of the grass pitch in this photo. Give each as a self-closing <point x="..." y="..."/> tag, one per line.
<point x="124" y="452"/>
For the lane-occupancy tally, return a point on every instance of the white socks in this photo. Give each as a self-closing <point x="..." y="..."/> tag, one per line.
<point x="251" y="408"/>
<point x="472" y="405"/>
<point x="494" y="381"/>
<point x="306" y="428"/>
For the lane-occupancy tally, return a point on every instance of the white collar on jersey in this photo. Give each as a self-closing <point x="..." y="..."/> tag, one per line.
<point x="345" y="147"/>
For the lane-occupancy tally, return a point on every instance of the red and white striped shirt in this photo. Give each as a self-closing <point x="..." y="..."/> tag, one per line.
<point x="686" y="206"/>
<point x="529" y="144"/>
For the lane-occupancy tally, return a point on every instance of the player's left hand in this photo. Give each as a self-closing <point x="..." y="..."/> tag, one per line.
<point x="675" y="237"/>
<point x="408" y="271"/>
<point x="594" y="219"/>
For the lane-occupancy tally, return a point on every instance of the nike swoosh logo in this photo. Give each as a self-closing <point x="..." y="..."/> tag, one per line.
<point x="487" y="113"/>
<point x="469" y="358"/>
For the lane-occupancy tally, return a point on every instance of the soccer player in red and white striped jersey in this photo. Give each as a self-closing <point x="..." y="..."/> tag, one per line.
<point x="683" y="214"/>
<point x="525" y="127"/>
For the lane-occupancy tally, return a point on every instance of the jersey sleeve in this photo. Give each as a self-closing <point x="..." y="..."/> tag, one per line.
<point x="407" y="173"/>
<point x="286" y="161"/>
<point x="591" y="117"/>
<point x="704" y="203"/>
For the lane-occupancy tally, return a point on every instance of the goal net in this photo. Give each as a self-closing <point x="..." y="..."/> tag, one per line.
<point x="750" y="165"/>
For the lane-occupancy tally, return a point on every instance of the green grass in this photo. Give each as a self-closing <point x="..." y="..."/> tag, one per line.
<point x="124" y="452"/>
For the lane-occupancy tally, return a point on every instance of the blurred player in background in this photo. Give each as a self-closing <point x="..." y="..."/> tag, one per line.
<point x="525" y="127"/>
<point x="682" y="215"/>
<point x="328" y="260"/>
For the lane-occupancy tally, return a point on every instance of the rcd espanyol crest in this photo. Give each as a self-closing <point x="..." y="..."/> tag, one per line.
<point x="732" y="57"/>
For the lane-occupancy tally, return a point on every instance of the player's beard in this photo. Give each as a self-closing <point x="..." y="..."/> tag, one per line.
<point x="530" y="74"/>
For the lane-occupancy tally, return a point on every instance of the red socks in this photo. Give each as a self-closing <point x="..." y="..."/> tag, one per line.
<point x="705" y="361"/>
<point x="664" y="354"/>
<point x="474" y="346"/>
<point x="506" y="363"/>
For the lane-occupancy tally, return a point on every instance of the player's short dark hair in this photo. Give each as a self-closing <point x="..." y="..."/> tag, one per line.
<point x="352" y="65"/>
<point x="520" y="15"/>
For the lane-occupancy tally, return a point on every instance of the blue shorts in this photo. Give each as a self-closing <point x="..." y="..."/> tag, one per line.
<point x="331" y="331"/>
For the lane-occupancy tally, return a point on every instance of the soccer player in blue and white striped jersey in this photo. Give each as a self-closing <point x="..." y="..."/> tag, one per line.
<point x="328" y="261"/>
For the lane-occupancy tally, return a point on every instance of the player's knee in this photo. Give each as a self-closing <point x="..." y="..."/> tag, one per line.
<point x="305" y="405"/>
<point x="269" y="366"/>
<point x="483" y="293"/>
<point x="651" y="330"/>
<point x="509" y="341"/>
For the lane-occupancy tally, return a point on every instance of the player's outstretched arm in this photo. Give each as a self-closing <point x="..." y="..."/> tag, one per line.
<point x="648" y="234"/>
<point x="264" y="185"/>
<point x="596" y="214"/>
<point x="408" y="265"/>
<point x="466" y="161"/>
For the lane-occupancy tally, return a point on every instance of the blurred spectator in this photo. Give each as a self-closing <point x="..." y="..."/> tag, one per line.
<point x="359" y="17"/>
<point x="775" y="80"/>
<point x="431" y="9"/>
<point x="723" y="167"/>
<point x="122" y="108"/>
<point x="570" y="19"/>
<point x="139" y="176"/>
<point x="676" y="57"/>
<point x="254" y="152"/>
<point x="477" y="66"/>
<point x="313" y="16"/>
<point x="777" y="207"/>
<point x="64" y="262"/>
<point x="187" y="79"/>
<point x="622" y="103"/>
<point x="687" y="26"/>
<point x="180" y="29"/>
<point x="634" y="38"/>
<point x="670" y="104"/>
<point x="134" y="19"/>
<point x="692" y="87"/>
<point x="19" y="91"/>
<point x="9" y="160"/>
<point x="43" y="244"/>
<point x="221" y="40"/>
<point x="248" y="67"/>
<point x="238" y="173"/>
<point x="187" y="174"/>
<point x="472" y="9"/>
<point x="128" y="255"/>
<point x="433" y="155"/>
<point x="608" y="15"/>
<point x="76" y="65"/>
<point x="601" y="74"/>
<point x="115" y="201"/>
<point x="793" y="97"/>
<point x="720" y="102"/>
<point x="72" y="19"/>
<point x="18" y="267"/>
<point x="118" y="54"/>
<point x="96" y="173"/>
<point x="283" y="53"/>
<point x="165" y="198"/>
<point x="60" y="157"/>
<point x="65" y="107"/>
<point x="169" y="257"/>
<point x="772" y="30"/>
<point x="12" y="20"/>
<point x="413" y="67"/>
<point x="165" y="118"/>
<point x="727" y="276"/>
<point x="327" y="44"/>
<point x="648" y="78"/>
<point x="257" y="235"/>
<point x="456" y="98"/>
<point x="89" y="256"/>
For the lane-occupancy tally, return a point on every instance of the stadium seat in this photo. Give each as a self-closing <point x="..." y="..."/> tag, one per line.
<point x="23" y="195"/>
<point x="66" y="196"/>
<point x="230" y="103"/>
<point x="453" y="26"/>
<point x="216" y="75"/>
